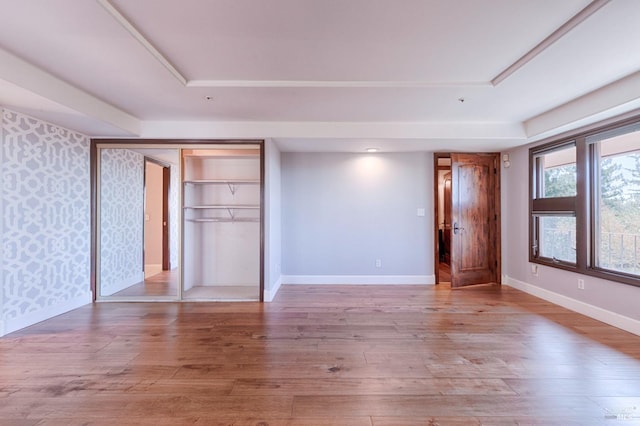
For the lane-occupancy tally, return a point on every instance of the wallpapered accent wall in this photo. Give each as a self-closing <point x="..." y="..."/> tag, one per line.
<point x="174" y="216"/>
<point x="121" y="219"/>
<point x="45" y="224"/>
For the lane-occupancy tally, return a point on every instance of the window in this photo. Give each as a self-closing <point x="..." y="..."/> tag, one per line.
<point x="616" y="197"/>
<point x="554" y="204"/>
<point x="585" y="203"/>
<point x="558" y="172"/>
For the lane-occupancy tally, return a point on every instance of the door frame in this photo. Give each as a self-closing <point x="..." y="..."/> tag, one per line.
<point x="166" y="182"/>
<point x="94" y="148"/>
<point x="436" y="203"/>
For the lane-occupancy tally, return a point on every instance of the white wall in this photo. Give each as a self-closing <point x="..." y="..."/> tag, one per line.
<point x="221" y="253"/>
<point x="153" y="193"/>
<point x="45" y="222"/>
<point x="273" y="221"/>
<point x="608" y="301"/>
<point x="174" y="216"/>
<point x="341" y="212"/>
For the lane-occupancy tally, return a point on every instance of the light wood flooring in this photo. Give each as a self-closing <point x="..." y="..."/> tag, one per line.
<point x="444" y="271"/>
<point x="324" y="355"/>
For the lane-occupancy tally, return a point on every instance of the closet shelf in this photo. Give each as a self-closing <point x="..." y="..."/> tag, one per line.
<point x="225" y="220"/>
<point x="222" y="154"/>
<point x="225" y="207"/>
<point x="233" y="184"/>
<point x="223" y="182"/>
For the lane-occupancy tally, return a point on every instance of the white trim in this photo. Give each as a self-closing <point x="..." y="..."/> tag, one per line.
<point x="614" y="102"/>
<point x="151" y="269"/>
<point x="2" y="329"/>
<point x="131" y="29"/>
<point x="359" y="279"/>
<point x="337" y="83"/>
<point x="476" y="131"/>
<point x="620" y="321"/>
<point x="29" y="77"/>
<point x="270" y="294"/>
<point x="14" y="324"/>
<point x="576" y="20"/>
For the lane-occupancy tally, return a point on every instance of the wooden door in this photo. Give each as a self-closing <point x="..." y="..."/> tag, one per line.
<point x="474" y="222"/>
<point x="166" y="184"/>
<point x="446" y="226"/>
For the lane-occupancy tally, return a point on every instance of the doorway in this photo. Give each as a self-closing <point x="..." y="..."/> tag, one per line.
<point x="156" y="217"/>
<point x="467" y="219"/>
<point x="443" y="219"/>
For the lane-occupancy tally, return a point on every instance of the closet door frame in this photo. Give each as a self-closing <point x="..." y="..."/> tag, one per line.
<point x="179" y="144"/>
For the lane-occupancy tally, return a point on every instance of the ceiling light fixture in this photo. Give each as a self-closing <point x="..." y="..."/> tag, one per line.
<point x="372" y="149"/>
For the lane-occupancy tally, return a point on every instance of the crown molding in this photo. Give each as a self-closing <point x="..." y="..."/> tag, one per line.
<point x="127" y="25"/>
<point x="33" y="79"/>
<point x="572" y="23"/>
<point x="611" y="101"/>
<point x="350" y="130"/>
<point x="335" y="84"/>
<point x="171" y="67"/>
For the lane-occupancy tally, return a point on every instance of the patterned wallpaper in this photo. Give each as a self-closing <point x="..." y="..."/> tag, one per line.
<point x="45" y="224"/>
<point x="121" y="219"/>
<point x="174" y="216"/>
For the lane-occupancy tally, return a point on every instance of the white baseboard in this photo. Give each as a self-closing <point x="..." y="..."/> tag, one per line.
<point x="152" y="269"/>
<point x="620" y="321"/>
<point x="359" y="279"/>
<point x="270" y="294"/>
<point x="15" y="324"/>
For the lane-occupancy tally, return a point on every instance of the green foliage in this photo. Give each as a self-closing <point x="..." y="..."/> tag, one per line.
<point x="634" y="181"/>
<point x="612" y="182"/>
<point x="560" y="181"/>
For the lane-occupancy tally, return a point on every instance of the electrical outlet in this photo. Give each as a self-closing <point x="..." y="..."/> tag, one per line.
<point x="581" y="284"/>
<point x="378" y="263"/>
<point x="534" y="270"/>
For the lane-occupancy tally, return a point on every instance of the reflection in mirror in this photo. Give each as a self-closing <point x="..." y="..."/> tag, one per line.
<point x="138" y="223"/>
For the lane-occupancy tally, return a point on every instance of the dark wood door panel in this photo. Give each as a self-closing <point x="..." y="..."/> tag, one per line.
<point x="474" y="248"/>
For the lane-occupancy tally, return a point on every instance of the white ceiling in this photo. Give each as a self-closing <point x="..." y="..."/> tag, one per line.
<point x="322" y="75"/>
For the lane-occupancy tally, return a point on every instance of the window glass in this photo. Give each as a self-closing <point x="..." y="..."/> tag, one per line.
<point x="559" y="175"/>
<point x="617" y="196"/>
<point x="557" y="238"/>
<point x="585" y="202"/>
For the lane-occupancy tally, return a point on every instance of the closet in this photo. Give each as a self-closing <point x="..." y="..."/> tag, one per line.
<point x="221" y="222"/>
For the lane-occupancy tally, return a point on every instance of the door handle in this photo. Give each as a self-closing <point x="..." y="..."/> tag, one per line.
<point x="456" y="228"/>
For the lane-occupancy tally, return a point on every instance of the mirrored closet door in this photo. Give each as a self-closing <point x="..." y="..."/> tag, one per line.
<point x="178" y="221"/>
<point x="138" y="195"/>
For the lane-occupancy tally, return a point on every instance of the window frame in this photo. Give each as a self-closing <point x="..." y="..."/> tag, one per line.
<point x="584" y="206"/>
<point x="550" y="206"/>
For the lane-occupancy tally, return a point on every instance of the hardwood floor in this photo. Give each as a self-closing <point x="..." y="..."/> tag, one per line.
<point x="324" y="355"/>
<point x="164" y="283"/>
<point x="444" y="271"/>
